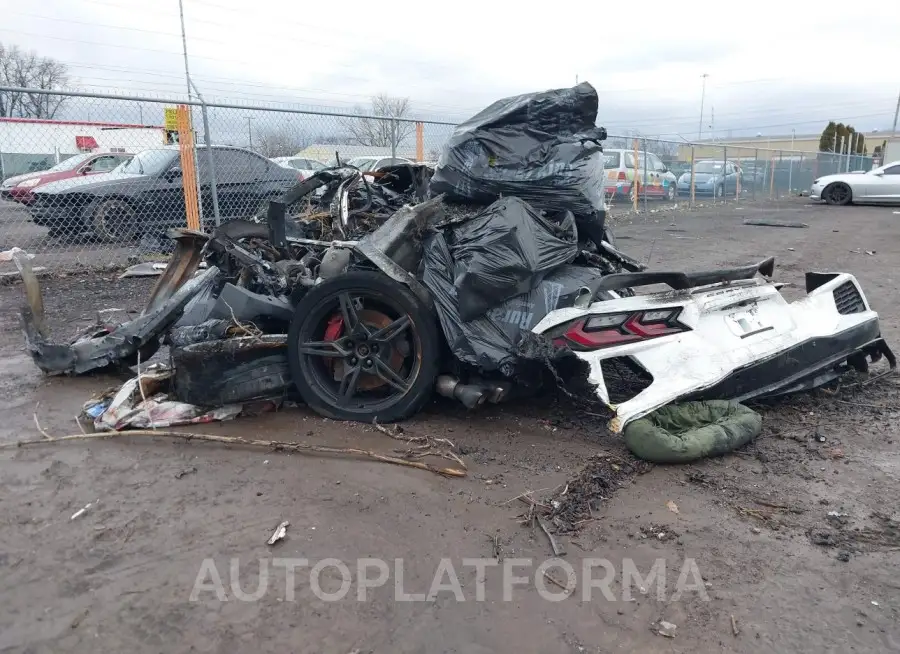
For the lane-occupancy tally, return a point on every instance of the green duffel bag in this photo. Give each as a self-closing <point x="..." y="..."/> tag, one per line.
<point x="679" y="433"/>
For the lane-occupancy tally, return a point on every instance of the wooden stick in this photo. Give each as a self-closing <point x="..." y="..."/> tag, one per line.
<point x="868" y="381"/>
<point x="237" y="440"/>
<point x="551" y="579"/>
<point x="557" y="550"/>
<point x="38" y="424"/>
<point x="868" y="406"/>
<point x="734" y="627"/>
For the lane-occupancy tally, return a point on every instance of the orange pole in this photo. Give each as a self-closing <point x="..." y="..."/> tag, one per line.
<point x="188" y="171"/>
<point x="420" y="141"/>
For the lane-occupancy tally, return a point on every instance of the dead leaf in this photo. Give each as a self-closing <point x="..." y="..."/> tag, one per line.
<point x="672" y="506"/>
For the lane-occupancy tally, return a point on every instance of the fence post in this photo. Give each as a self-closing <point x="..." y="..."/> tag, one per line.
<point x="772" y="176"/>
<point x="209" y="157"/>
<point x="636" y="180"/>
<point x="188" y="169"/>
<point x="791" y="174"/>
<point x="646" y="180"/>
<point x="692" y="175"/>
<point x="755" y="171"/>
<point x="393" y="138"/>
<point x="420" y="142"/>
<point x="725" y="175"/>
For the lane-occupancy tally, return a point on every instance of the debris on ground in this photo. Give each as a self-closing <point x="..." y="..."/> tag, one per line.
<point x="581" y="496"/>
<point x="759" y="222"/>
<point x="80" y="512"/>
<point x="279" y="534"/>
<point x="666" y="629"/>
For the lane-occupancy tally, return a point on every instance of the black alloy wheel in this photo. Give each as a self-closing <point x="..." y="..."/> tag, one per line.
<point x="362" y="346"/>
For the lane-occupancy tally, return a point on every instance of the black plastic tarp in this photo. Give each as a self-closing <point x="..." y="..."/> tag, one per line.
<point x="542" y="147"/>
<point x="504" y="251"/>
<point x="497" y="274"/>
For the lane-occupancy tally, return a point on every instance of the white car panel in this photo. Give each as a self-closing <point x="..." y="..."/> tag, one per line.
<point x="731" y="326"/>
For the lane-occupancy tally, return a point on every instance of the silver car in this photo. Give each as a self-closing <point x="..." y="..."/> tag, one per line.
<point x="878" y="186"/>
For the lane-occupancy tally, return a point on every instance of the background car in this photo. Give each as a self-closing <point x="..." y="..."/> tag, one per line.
<point x="621" y="175"/>
<point x="146" y="194"/>
<point x="878" y="186"/>
<point x="371" y="164"/>
<point x="21" y="187"/>
<point x="306" y="167"/>
<point x="714" y="178"/>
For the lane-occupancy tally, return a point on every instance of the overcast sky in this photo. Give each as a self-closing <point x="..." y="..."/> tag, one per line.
<point x="772" y="66"/>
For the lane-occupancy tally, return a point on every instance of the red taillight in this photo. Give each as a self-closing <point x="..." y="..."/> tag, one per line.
<point x="599" y="331"/>
<point x="622" y="177"/>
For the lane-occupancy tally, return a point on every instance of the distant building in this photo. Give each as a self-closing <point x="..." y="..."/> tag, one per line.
<point x="31" y="144"/>
<point x="764" y="147"/>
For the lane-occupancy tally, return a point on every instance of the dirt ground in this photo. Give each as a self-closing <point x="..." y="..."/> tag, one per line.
<point x="780" y="574"/>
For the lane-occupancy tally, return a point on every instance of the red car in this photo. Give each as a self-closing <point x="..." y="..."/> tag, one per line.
<point x="20" y="187"/>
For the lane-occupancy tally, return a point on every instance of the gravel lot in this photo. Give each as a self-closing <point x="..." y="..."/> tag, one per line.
<point x="780" y="574"/>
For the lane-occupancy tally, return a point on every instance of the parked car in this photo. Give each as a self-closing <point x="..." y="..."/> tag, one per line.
<point x="370" y="164"/>
<point x="621" y="173"/>
<point x="306" y="167"/>
<point x="20" y="188"/>
<point x="714" y="178"/>
<point x="878" y="186"/>
<point x="146" y="194"/>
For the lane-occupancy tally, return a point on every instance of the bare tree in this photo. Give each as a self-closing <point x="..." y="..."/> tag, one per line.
<point x="280" y="142"/>
<point x="28" y="70"/>
<point x="384" y="128"/>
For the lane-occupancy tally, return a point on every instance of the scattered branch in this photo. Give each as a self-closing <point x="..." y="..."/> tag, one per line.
<point x="277" y="446"/>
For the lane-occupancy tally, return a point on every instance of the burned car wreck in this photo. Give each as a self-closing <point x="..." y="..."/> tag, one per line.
<point x="364" y="298"/>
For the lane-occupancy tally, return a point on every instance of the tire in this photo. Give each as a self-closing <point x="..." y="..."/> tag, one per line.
<point x="838" y="194"/>
<point x="232" y="371"/>
<point x="338" y="369"/>
<point x="115" y="221"/>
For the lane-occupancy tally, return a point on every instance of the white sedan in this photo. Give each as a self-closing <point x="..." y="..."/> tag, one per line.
<point x="878" y="186"/>
<point x="304" y="167"/>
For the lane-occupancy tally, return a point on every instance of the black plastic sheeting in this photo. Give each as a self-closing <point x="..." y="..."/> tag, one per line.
<point x="504" y="251"/>
<point x="497" y="273"/>
<point x="542" y="147"/>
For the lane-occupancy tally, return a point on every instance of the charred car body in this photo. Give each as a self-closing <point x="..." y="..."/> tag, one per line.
<point x="386" y="297"/>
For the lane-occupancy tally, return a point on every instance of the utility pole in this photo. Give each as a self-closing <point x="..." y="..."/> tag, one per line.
<point x="702" y="98"/>
<point x="896" y="113"/>
<point x="187" y="72"/>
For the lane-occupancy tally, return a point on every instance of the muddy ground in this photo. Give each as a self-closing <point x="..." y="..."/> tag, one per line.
<point x="780" y="574"/>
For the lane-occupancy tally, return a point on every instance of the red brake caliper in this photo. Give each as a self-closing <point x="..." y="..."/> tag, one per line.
<point x="334" y="327"/>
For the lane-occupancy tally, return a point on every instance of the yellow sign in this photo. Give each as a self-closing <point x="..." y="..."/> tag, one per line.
<point x="171" y="114"/>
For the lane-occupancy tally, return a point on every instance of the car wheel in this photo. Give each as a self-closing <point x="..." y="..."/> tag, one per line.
<point x="362" y="346"/>
<point x="838" y="193"/>
<point x="115" y="221"/>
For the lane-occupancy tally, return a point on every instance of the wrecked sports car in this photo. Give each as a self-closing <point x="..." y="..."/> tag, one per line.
<point x="484" y="279"/>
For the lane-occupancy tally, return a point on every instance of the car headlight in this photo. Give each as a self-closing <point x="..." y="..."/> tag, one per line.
<point x="815" y="181"/>
<point x="28" y="183"/>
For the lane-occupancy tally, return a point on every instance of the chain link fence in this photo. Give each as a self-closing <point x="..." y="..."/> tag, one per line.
<point x="646" y="173"/>
<point x="102" y="186"/>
